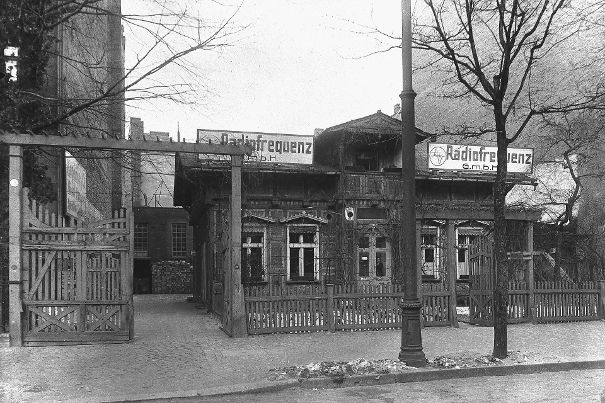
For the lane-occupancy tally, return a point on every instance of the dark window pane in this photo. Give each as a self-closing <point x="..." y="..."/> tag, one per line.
<point x="308" y="238"/>
<point x="256" y="264"/>
<point x="381" y="258"/>
<point x="256" y="238"/>
<point x="462" y="255"/>
<point x="364" y="242"/>
<point x="428" y="239"/>
<point x="309" y="263"/>
<point x="294" y="237"/>
<point x="429" y="255"/>
<point x="381" y="242"/>
<point x="294" y="263"/>
<point x="364" y="264"/>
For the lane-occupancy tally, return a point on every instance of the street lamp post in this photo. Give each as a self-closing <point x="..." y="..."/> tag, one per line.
<point x="411" y="339"/>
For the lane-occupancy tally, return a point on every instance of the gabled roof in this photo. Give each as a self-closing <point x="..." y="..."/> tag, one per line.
<point x="256" y="217"/>
<point x="377" y="123"/>
<point x="303" y="217"/>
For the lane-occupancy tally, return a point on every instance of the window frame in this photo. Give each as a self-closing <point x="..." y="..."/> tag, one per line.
<point x="257" y="230"/>
<point x="291" y="228"/>
<point x="424" y="246"/>
<point x="137" y="235"/>
<point x="372" y="250"/>
<point x="173" y="238"/>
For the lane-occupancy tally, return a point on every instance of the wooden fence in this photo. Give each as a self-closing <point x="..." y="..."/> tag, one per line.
<point x="315" y="307"/>
<point x="546" y="301"/>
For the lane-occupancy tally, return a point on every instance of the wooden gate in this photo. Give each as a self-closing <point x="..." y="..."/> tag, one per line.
<point x="77" y="280"/>
<point x="481" y="281"/>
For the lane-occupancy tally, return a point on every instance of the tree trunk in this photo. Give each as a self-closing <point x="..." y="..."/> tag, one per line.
<point x="500" y="259"/>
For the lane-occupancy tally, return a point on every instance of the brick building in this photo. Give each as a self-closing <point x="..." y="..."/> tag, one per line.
<point x="163" y="238"/>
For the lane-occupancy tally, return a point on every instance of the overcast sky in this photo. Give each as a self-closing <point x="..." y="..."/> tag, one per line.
<point x="294" y="68"/>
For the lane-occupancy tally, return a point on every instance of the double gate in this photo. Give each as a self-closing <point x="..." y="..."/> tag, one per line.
<point x="77" y="280"/>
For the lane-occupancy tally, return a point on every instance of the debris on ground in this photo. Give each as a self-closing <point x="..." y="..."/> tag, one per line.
<point x="477" y="360"/>
<point x="339" y="369"/>
<point x="361" y="367"/>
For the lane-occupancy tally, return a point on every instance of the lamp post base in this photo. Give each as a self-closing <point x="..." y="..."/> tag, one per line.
<point x="411" y="340"/>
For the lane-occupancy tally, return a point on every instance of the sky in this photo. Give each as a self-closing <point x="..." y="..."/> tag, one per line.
<point x="295" y="67"/>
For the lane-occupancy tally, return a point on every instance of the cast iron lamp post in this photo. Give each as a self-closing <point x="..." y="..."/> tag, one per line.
<point x="411" y="339"/>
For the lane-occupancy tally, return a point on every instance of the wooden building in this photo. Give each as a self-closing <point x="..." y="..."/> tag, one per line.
<point x="335" y="219"/>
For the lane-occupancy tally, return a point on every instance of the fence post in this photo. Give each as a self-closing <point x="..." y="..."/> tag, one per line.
<point x="531" y="298"/>
<point x="452" y="269"/>
<point x="601" y="298"/>
<point x="330" y="308"/>
<point x="15" y="291"/>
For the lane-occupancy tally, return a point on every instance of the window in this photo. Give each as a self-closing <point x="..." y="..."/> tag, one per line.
<point x="179" y="240"/>
<point x="253" y="257"/>
<point x="141" y="237"/>
<point x="367" y="161"/>
<point x="464" y="241"/>
<point x="374" y="255"/>
<point x="303" y="253"/>
<point x="430" y="252"/>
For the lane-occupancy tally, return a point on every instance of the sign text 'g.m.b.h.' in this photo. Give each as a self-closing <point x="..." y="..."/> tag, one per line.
<point x="457" y="157"/>
<point x="268" y="147"/>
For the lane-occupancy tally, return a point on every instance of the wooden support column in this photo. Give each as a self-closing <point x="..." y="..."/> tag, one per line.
<point x="531" y="298"/>
<point x="419" y="258"/>
<point x="452" y="267"/>
<point x="235" y="312"/>
<point x="601" y="307"/>
<point x="15" y="292"/>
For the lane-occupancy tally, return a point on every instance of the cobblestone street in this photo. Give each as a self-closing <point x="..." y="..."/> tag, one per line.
<point x="180" y="348"/>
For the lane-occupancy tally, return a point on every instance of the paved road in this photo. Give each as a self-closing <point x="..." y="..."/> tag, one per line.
<point x="572" y="386"/>
<point x="180" y="348"/>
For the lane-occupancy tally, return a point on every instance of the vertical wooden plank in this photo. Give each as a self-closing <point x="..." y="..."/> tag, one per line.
<point x="452" y="269"/>
<point x="15" y="293"/>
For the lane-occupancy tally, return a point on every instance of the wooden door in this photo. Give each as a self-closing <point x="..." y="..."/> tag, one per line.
<point x="77" y="280"/>
<point x="481" y="281"/>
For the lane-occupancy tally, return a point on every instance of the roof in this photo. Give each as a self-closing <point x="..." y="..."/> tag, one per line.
<point x="191" y="161"/>
<point x="377" y="123"/>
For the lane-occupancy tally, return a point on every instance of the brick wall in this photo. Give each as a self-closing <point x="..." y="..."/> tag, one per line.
<point x="171" y="277"/>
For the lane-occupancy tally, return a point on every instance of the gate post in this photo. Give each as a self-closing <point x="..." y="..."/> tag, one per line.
<point x="235" y="313"/>
<point x="15" y="176"/>
<point x="531" y="298"/>
<point x="452" y="269"/>
<point x="601" y="307"/>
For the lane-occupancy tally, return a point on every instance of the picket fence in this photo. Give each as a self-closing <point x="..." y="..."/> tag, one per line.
<point x="546" y="301"/>
<point x="315" y="307"/>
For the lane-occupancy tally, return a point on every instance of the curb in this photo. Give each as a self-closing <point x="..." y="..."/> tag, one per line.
<point x="420" y="375"/>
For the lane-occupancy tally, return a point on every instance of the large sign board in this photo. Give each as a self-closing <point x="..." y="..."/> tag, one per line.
<point x="455" y="157"/>
<point x="268" y="147"/>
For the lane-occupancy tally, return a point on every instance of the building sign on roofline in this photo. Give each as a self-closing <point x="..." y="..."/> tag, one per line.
<point x="268" y="147"/>
<point x="456" y="157"/>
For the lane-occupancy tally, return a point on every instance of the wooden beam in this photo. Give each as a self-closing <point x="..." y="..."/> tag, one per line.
<point x="106" y="143"/>
<point x="452" y="268"/>
<point x="234" y="291"/>
<point x="15" y="176"/>
<point x="530" y="273"/>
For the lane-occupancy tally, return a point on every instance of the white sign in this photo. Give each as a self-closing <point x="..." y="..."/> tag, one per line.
<point x="455" y="157"/>
<point x="268" y="147"/>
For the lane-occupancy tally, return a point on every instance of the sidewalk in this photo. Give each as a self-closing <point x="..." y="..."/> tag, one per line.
<point x="178" y="348"/>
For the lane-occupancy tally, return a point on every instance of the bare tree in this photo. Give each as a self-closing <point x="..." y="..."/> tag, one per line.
<point x="503" y="55"/>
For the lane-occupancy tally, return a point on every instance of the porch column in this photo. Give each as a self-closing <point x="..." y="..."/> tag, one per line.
<point x="452" y="268"/>
<point x="235" y="314"/>
<point x="15" y="293"/>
